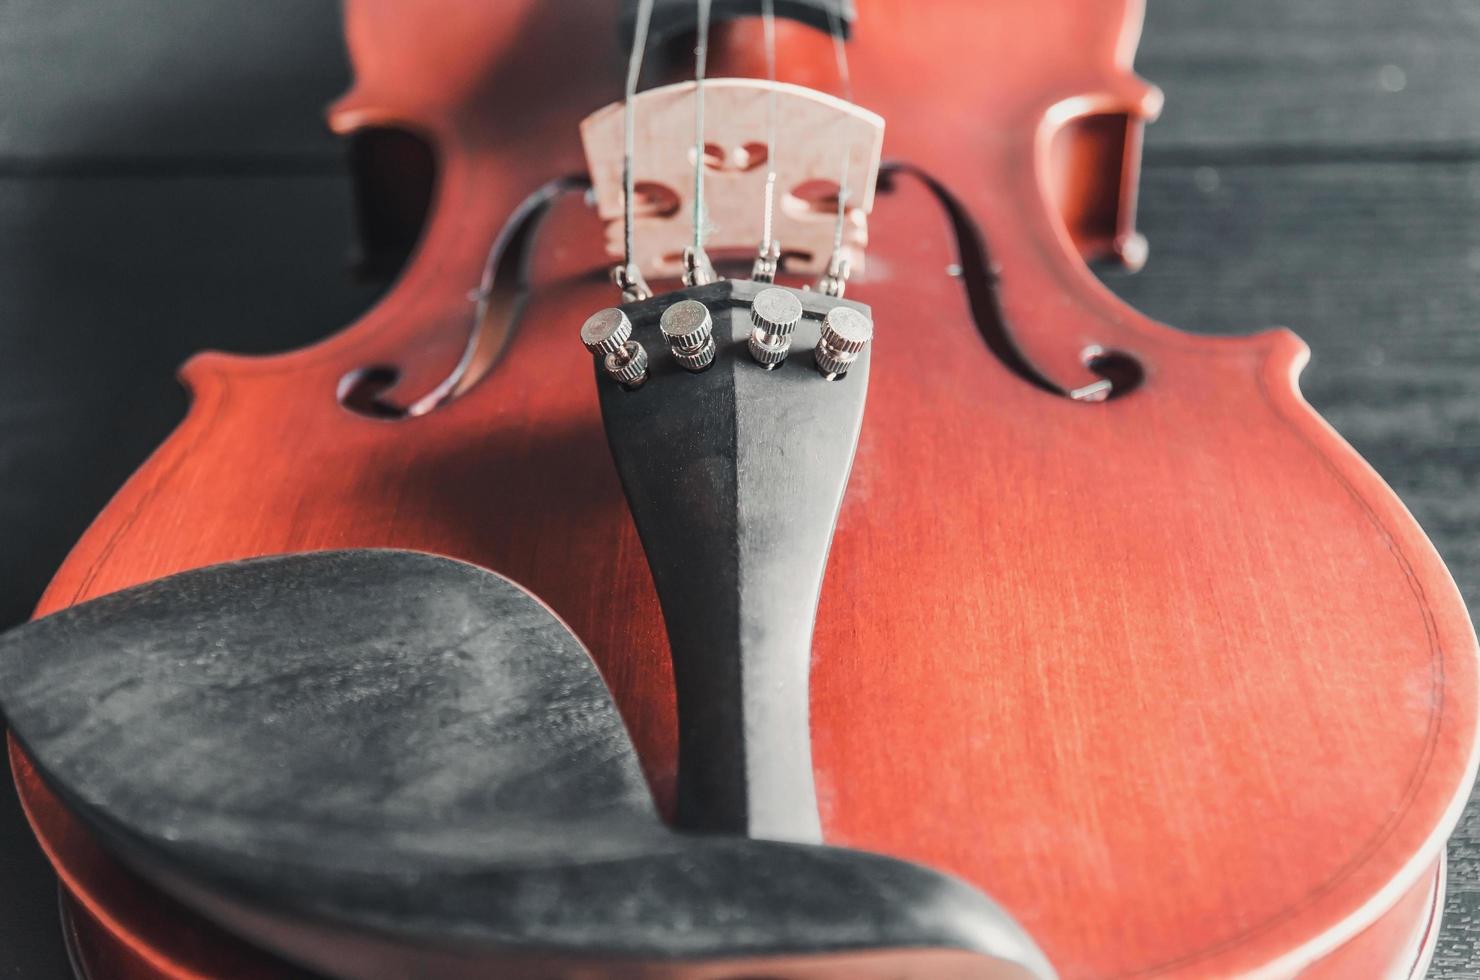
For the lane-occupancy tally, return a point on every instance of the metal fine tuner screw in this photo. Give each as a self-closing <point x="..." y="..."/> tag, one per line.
<point x="834" y="282"/>
<point x="767" y="263"/>
<point x="628" y="278"/>
<point x="845" y="333"/>
<point x="689" y="330"/>
<point x="608" y="334"/>
<point x="774" y="314"/>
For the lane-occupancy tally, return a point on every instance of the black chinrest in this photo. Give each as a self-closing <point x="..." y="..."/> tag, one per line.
<point x="389" y="764"/>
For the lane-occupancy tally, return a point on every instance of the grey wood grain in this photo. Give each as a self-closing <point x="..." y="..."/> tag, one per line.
<point x="1314" y="78"/>
<point x="1457" y="956"/>
<point x="194" y="85"/>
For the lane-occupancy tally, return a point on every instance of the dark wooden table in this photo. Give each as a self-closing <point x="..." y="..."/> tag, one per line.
<point x="166" y="185"/>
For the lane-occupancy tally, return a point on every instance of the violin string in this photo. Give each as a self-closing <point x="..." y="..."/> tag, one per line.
<point x="701" y="55"/>
<point x="840" y="52"/>
<point x="842" y="204"/>
<point x="840" y="47"/>
<point x="768" y="23"/>
<point x="634" y="69"/>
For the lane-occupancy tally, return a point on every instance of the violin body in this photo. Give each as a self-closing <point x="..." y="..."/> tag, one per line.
<point x="1174" y="676"/>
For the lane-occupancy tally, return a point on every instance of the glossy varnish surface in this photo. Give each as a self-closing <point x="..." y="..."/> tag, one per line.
<point x="1174" y="677"/>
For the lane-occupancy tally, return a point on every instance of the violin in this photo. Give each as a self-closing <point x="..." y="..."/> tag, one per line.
<point x="748" y="541"/>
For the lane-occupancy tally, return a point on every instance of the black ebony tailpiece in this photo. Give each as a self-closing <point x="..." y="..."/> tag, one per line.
<point x="734" y="476"/>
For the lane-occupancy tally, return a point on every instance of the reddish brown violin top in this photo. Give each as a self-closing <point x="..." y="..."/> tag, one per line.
<point x="1173" y="676"/>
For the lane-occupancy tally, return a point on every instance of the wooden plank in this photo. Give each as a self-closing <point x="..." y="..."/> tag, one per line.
<point x="1377" y="266"/>
<point x="1313" y="78"/>
<point x="189" y="85"/>
<point x="1457" y="956"/>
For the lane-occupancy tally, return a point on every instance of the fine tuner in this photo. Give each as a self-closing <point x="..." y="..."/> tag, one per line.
<point x="687" y="330"/>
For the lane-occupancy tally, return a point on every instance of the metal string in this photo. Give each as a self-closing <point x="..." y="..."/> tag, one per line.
<point x="634" y="69"/>
<point x="701" y="55"/>
<point x="768" y="22"/>
<point x="840" y="52"/>
<point x="842" y="204"/>
<point x="840" y="47"/>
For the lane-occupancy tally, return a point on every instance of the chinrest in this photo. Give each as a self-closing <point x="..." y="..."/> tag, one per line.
<point x="383" y="763"/>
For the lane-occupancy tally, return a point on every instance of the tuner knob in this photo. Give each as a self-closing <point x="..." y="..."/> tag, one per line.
<point x="845" y="332"/>
<point x="689" y="330"/>
<point x="606" y="331"/>
<point x="608" y="334"/>
<point x="774" y="314"/>
<point x="767" y="263"/>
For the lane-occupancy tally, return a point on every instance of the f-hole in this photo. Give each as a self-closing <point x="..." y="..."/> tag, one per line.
<point x="498" y="302"/>
<point x="360" y="391"/>
<point x="1123" y="372"/>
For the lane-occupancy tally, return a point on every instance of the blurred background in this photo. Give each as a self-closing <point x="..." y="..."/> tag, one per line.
<point x="166" y="185"/>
